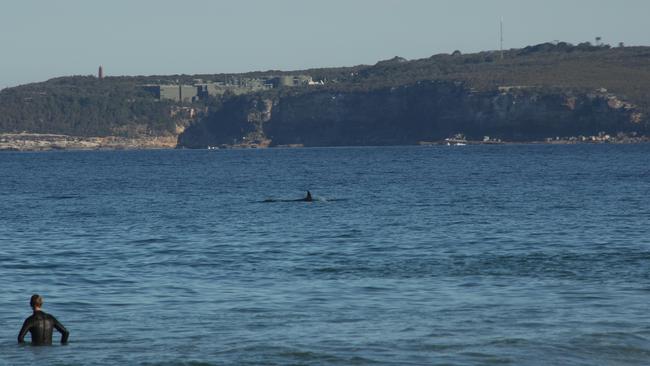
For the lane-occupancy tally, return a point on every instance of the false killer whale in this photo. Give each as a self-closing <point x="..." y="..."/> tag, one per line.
<point x="307" y="198"/>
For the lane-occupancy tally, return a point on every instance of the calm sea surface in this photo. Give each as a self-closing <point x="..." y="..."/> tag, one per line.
<point x="475" y="255"/>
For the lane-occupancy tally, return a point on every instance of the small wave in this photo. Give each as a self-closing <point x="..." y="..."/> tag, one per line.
<point x="487" y="358"/>
<point x="147" y="241"/>
<point x="61" y="197"/>
<point x="291" y="355"/>
<point x="563" y="265"/>
<point x="179" y="363"/>
<point x="617" y="346"/>
<point x="251" y="310"/>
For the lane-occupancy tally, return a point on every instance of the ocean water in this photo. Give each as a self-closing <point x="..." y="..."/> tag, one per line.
<point x="474" y="255"/>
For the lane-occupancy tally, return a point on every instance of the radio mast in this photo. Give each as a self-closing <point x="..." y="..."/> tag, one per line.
<point x="501" y="37"/>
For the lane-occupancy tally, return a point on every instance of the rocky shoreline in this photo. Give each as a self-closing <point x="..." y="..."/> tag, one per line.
<point x="48" y="142"/>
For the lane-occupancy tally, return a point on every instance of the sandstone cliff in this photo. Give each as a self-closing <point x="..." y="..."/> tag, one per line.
<point x="423" y="111"/>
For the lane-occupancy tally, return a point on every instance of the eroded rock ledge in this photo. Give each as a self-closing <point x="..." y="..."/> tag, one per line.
<point x="44" y="142"/>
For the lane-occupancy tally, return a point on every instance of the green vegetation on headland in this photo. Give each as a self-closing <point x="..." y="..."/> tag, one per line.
<point x="532" y="94"/>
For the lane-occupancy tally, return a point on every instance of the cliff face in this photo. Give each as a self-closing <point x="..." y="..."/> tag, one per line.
<point x="425" y="111"/>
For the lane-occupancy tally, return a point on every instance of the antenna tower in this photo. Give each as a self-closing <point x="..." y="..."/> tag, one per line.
<point x="501" y="37"/>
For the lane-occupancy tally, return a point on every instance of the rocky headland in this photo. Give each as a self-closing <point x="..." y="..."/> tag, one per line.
<point x="548" y="93"/>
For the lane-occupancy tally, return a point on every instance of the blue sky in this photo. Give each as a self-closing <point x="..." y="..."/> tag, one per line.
<point x="41" y="39"/>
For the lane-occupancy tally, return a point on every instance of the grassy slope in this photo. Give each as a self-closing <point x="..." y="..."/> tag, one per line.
<point x="623" y="71"/>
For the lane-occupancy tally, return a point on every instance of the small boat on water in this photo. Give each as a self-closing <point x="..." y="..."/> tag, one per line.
<point x="450" y="142"/>
<point x="457" y="140"/>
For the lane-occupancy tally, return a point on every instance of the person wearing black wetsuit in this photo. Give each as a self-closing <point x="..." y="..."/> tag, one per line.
<point x="308" y="197"/>
<point x="41" y="325"/>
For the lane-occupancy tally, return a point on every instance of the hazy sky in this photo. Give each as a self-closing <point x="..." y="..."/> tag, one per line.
<point x="40" y="39"/>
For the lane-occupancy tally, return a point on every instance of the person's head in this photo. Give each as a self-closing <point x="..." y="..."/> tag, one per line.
<point x="36" y="301"/>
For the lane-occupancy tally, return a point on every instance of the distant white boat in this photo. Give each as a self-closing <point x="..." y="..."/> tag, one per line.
<point x="458" y="140"/>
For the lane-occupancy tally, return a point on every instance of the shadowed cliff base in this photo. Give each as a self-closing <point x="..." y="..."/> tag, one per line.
<point x="412" y="114"/>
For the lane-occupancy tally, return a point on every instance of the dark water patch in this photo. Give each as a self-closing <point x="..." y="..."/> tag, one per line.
<point x="487" y="358"/>
<point x="63" y="197"/>
<point x="179" y="363"/>
<point x="83" y="214"/>
<point x="621" y="265"/>
<point x="282" y="355"/>
<point x="152" y="240"/>
<point x="617" y="347"/>
<point x="349" y="235"/>
<point x="250" y="310"/>
<point x="441" y="348"/>
<point x="106" y="280"/>
<point x="38" y="266"/>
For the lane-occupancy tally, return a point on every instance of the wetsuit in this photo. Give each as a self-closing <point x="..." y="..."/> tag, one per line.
<point x="41" y="326"/>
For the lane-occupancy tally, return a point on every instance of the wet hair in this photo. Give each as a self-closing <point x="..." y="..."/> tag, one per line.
<point x="36" y="301"/>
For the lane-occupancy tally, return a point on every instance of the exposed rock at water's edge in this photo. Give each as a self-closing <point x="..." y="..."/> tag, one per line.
<point x="44" y="142"/>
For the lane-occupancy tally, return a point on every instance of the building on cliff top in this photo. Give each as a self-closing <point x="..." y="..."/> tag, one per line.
<point x="200" y="90"/>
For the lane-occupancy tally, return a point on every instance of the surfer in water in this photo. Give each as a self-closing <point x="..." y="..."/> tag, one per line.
<point x="308" y="197"/>
<point x="41" y="325"/>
